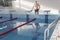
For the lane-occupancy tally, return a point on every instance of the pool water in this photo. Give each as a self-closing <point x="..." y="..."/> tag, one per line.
<point x="26" y="32"/>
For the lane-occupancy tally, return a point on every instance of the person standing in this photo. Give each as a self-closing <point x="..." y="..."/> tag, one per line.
<point x="36" y="7"/>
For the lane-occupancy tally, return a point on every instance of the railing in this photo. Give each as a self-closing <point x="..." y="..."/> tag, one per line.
<point x="50" y="26"/>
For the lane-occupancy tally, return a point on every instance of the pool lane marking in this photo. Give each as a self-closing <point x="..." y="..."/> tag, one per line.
<point x="3" y="27"/>
<point x="4" y="33"/>
<point x="8" y="20"/>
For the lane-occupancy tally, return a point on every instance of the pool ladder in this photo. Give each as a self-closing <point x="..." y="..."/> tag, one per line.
<point x="50" y="26"/>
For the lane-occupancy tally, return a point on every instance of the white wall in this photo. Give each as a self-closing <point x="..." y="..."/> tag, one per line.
<point x="26" y="5"/>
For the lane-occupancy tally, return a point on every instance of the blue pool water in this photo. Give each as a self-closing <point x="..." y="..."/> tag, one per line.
<point x="23" y="18"/>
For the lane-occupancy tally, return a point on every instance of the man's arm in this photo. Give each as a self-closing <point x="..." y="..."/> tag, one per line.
<point x="33" y="7"/>
<point x="39" y="6"/>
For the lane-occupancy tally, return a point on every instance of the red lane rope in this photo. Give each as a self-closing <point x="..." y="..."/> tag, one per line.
<point x="8" y="20"/>
<point x="16" y="27"/>
<point x="1" y="17"/>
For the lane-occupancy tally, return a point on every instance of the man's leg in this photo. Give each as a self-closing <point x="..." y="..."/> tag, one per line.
<point x="37" y="11"/>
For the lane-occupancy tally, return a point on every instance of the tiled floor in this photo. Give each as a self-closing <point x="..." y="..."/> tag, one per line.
<point x="56" y="33"/>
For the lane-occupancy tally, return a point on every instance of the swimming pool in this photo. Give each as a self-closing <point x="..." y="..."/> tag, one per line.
<point x="26" y="32"/>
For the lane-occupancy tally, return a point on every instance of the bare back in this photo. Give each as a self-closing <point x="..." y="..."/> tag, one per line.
<point x="36" y="6"/>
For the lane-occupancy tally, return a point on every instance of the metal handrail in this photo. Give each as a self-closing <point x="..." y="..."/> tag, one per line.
<point x="50" y="25"/>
